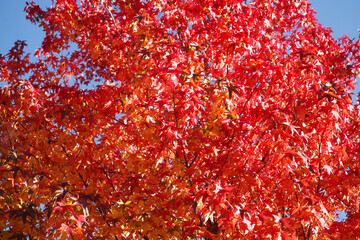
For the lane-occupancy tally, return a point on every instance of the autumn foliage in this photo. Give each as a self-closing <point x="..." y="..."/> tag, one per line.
<point x="153" y="119"/>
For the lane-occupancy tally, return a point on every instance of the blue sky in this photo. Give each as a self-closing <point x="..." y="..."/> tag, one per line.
<point x="14" y="26"/>
<point x="342" y="16"/>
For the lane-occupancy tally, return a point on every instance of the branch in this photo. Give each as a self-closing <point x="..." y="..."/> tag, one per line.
<point x="63" y="148"/>
<point x="265" y="162"/>
<point x="8" y="134"/>
<point x="112" y="17"/>
<point x="247" y="100"/>
<point x="82" y="179"/>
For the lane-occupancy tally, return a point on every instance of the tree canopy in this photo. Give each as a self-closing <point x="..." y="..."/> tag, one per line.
<point x="177" y="119"/>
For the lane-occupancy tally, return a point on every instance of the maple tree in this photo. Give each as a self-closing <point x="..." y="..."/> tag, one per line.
<point x="179" y="119"/>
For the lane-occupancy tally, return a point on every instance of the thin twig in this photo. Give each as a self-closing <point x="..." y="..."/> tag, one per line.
<point x="112" y="17"/>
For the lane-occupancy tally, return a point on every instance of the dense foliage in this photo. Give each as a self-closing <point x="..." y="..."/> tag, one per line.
<point x="177" y="119"/>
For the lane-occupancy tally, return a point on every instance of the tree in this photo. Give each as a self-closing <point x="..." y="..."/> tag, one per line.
<point x="179" y="120"/>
